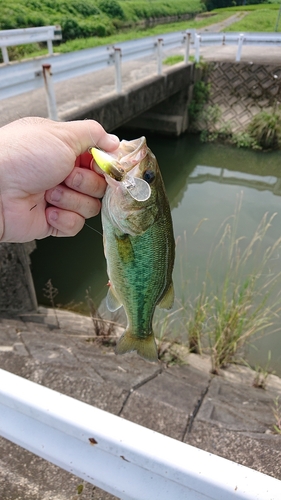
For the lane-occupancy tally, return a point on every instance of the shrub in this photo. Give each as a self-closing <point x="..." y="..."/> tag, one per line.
<point x="111" y="8"/>
<point x="70" y="29"/>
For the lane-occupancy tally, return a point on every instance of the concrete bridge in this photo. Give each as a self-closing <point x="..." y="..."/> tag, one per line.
<point x="93" y="96"/>
<point x="158" y="103"/>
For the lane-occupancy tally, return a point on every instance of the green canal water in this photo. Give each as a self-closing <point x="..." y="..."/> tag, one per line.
<point x="204" y="183"/>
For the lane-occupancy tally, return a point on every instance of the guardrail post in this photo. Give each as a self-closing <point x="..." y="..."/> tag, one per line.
<point x="187" y="38"/>
<point x="5" y="55"/>
<point x="159" y="55"/>
<point x="50" y="92"/>
<point x="239" y="50"/>
<point x="197" y="47"/>
<point x="118" y="76"/>
<point x="50" y="47"/>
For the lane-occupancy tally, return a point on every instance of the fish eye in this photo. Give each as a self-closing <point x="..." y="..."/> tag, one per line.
<point x="149" y="176"/>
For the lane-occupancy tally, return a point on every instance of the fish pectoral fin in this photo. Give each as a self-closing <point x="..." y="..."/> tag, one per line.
<point x="168" y="300"/>
<point x="145" y="347"/>
<point x="112" y="302"/>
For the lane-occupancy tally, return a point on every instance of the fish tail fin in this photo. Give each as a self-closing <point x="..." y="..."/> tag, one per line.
<point x="145" y="347"/>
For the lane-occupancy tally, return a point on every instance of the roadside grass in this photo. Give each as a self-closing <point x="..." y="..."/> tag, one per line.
<point x="225" y="317"/>
<point x="171" y="60"/>
<point x="259" y="20"/>
<point x="261" y="6"/>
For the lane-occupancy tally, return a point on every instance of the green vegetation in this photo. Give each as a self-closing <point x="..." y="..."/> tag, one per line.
<point x="261" y="17"/>
<point x="259" y="20"/>
<point x="90" y="17"/>
<point x="145" y="9"/>
<point x="262" y="374"/>
<point x="171" y="60"/>
<point x="216" y="4"/>
<point x="265" y="129"/>
<point x="222" y="319"/>
<point x="201" y="93"/>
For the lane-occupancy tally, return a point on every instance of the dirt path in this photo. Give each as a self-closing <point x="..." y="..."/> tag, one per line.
<point x="223" y="24"/>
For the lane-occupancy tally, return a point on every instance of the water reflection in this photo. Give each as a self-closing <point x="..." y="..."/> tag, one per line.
<point x="204" y="173"/>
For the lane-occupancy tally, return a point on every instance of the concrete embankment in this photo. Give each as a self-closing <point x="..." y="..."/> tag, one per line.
<point x="224" y="414"/>
<point x="241" y="90"/>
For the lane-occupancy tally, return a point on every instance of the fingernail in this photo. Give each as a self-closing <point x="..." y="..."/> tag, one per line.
<point x="77" y="179"/>
<point x="54" y="215"/>
<point x="56" y="194"/>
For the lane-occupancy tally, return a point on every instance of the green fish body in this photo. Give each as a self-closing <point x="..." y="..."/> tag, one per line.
<point x="139" y="248"/>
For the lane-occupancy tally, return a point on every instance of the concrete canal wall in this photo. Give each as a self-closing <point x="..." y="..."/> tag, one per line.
<point x="241" y="90"/>
<point x="17" y="293"/>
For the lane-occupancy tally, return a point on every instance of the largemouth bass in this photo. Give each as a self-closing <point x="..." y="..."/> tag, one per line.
<point x="138" y="243"/>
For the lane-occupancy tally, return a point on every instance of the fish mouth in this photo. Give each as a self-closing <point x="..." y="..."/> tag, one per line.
<point x="117" y="164"/>
<point x="130" y="153"/>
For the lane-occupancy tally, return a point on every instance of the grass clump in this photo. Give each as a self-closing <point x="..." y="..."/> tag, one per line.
<point x="171" y="60"/>
<point x="265" y="129"/>
<point x="262" y="374"/>
<point x="276" y="409"/>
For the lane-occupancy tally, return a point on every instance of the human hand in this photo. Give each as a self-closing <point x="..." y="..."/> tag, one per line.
<point x="47" y="182"/>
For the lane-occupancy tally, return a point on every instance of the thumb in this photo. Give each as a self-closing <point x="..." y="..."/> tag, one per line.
<point x="83" y="134"/>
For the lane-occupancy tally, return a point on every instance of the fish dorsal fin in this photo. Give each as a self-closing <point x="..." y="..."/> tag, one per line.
<point x="112" y="301"/>
<point x="168" y="300"/>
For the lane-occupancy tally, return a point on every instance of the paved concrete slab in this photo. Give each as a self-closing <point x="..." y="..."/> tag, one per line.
<point x="261" y="452"/>
<point x="237" y="407"/>
<point x="153" y="404"/>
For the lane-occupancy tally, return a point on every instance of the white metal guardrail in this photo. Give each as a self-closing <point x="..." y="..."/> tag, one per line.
<point x="239" y="39"/>
<point x="21" y="77"/>
<point x="9" y="38"/>
<point x="123" y="458"/>
<point x="17" y="78"/>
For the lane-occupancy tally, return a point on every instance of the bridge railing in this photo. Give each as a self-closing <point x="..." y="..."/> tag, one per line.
<point x="17" y="78"/>
<point x="123" y="458"/>
<point x="9" y="38"/>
